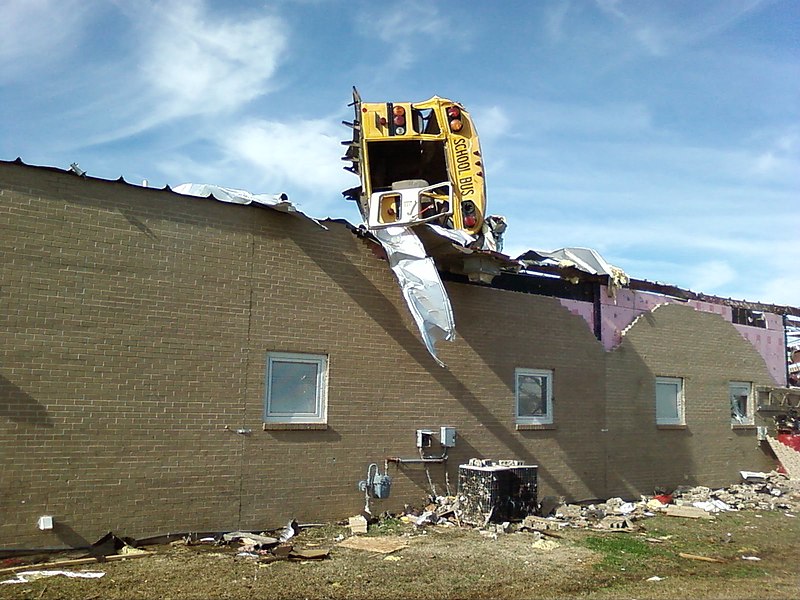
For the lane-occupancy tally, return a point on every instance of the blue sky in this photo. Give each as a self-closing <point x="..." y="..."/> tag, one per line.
<point x="666" y="135"/>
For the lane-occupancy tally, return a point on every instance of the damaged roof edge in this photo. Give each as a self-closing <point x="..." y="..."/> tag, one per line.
<point x="643" y="285"/>
<point x="508" y="281"/>
<point x="279" y="202"/>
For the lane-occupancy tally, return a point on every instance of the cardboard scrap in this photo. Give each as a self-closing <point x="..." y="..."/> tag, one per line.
<point x="382" y="545"/>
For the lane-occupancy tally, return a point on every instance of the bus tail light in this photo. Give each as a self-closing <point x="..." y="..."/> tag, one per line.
<point x="470" y="213"/>
<point x="454" y="117"/>
<point x="398" y="114"/>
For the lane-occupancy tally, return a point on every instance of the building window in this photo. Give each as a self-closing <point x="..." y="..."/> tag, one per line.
<point x="669" y="401"/>
<point x="534" y="396"/>
<point x="296" y="388"/>
<point x="741" y="396"/>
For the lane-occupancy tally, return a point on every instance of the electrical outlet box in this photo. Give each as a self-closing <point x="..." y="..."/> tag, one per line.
<point x="45" y="523"/>
<point x="424" y="437"/>
<point x="447" y="436"/>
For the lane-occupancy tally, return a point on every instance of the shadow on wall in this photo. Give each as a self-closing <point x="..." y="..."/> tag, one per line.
<point x="20" y="407"/>
<point x="538" y="332"/>
<point x="363" y="292"/>
<point x="640" y="457"/>
<point x="443" y="476"/>
<point x="68" y="536"/>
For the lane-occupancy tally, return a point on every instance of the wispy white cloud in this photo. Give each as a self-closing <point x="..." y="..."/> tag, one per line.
<point x="663" y="28"/>
<point x="197" y="62"/>
<point x="493" y="122"/>
<point x="781" y="155"/>
<point x="189" y="61"/>
<point x="39" y="34"/>
<point x="554" y="20"/>
<point x="779" y="289"/>
<point x="659" y="206"/>
<point x="710" y="275"/>
<point x="301" y="158"/>
<point x="409" y="28"/>
<point x="301" y="154"/>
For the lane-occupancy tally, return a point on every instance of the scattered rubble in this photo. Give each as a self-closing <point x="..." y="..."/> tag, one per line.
<point x="758" y="491"/>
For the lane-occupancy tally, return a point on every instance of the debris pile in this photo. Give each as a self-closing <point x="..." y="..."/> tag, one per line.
<point x="758" y="491"/>
<point x="440" y="510"/>
<point x="762" y="491"/>
<point x="264" y="548"/>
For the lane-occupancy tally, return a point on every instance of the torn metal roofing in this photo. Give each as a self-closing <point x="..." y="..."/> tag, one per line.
<point x="279" y="202"/>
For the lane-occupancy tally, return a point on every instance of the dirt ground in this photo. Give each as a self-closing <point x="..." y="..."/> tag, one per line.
<point x="452" y="562"/>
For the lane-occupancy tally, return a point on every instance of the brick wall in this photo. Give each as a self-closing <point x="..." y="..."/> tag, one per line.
<point x="707" y="352"/>
<point x="133" y="347"/>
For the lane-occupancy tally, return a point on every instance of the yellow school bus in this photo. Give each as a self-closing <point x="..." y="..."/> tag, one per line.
<point x="418" y="162"/>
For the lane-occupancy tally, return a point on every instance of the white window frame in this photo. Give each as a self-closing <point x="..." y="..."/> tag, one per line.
<point x="749" y="407"/>
<point x="321" y="400"/>
<point x="672" y="381"/>
<point x="547" y="375"/>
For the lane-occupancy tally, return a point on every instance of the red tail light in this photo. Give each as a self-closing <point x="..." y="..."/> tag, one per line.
<point x="453" y="112"/>
<point x="470" y="221"/>
<point x="399" y="116"/>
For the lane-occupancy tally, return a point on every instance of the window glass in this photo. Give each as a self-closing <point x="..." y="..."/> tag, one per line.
<point x="669" y="401"/>
<point x="740" y="394"/>
<point x="534" y="397"/>
<point x="295" y="388"/>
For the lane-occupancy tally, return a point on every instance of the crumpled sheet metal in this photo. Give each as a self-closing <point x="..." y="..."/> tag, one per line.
<point x="585" y="259"/>
<point x="421" y="285"/>
<point x="235" y="196"/>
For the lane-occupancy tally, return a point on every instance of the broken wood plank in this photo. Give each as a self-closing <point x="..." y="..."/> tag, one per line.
<point x="703" y="558"/>
<point x="75" y="561"/>
<point x="309" y="553"/>
<point x="382" y="545"/>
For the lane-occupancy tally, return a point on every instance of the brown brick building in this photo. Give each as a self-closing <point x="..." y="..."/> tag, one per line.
<point x="143" y="331"/>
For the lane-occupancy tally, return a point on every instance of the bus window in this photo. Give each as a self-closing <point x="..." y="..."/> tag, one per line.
<point x="425" y="121"/>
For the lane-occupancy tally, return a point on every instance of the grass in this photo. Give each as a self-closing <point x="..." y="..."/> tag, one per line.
<point x="454" y="563"/>
<point x="620" y="552"/>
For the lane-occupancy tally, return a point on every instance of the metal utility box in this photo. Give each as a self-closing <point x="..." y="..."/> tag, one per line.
<point x="447" y="436"/>
<point x="424" y="438"/>
<point x="496" y="493"/>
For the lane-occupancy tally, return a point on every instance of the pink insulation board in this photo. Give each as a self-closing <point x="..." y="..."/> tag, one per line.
<point x="619" y="312"/>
